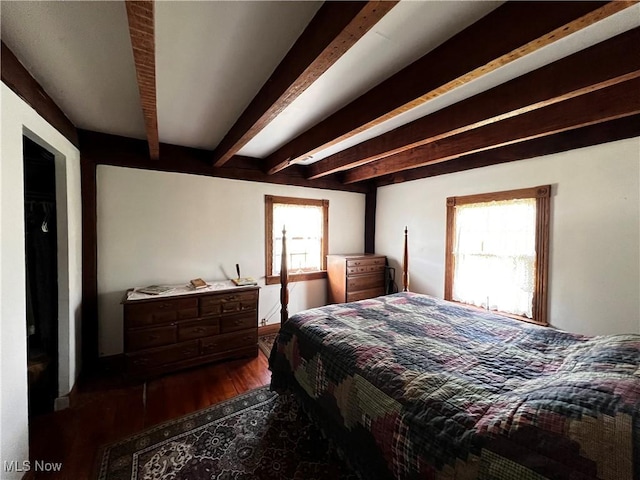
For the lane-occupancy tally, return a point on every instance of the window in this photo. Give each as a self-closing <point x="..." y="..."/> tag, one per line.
<point x="307" y="225"/>
<point x="497" y="251"/>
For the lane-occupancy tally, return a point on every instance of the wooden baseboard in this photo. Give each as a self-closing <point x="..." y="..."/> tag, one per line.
<point x="269" y="329"/>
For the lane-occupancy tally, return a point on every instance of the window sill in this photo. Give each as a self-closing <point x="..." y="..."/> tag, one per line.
<point x="296" y="277"/>
<point x="504" y="314"/>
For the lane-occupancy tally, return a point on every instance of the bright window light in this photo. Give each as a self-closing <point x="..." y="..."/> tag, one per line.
<point x="494" y="255"/>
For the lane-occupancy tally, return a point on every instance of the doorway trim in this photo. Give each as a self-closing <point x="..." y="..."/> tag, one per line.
<point x="66" y="321"/>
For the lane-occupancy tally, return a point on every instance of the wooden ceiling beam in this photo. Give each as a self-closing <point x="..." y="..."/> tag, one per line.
<point x="141" y="31"/>
<point x="335" y="28"/>
<point x="104" y="149"/>
<point x="511" y="31"/>
<point x="599" y="66"/>
<point x="618" y="101"/>
<point x="614" y="130"/>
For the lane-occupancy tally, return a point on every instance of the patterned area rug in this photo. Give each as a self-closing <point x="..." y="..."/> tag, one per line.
<point x="257" y="435"/>
<point x="265" y="343"/>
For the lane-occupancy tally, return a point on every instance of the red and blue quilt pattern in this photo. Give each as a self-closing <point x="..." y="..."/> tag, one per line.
<point x="438" y="390"/>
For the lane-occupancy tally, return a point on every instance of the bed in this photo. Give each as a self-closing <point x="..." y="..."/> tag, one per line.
<point x="410" y="386"/>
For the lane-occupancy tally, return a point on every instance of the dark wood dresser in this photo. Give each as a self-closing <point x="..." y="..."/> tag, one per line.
<point x="169" y="332"/>
<point x="355" y="277"/>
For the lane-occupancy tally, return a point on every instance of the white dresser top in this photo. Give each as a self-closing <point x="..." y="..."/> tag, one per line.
<point x="175" y="290"/>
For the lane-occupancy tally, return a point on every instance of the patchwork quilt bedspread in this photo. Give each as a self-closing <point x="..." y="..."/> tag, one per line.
<point x="437" y="390"/>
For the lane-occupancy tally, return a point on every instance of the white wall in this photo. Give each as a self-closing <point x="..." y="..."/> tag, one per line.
<point x="158" y="227"/>
<point x="17" y="119"/>
<point x="595" y="230"/>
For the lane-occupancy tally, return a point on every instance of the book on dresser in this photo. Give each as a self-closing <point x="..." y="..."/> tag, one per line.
<point x="244" y="281"/>
<point x="198" y="283"/>
<point x="189" y="327"/>
<point x="155" y="289"/>
<point x="353" y="277"/>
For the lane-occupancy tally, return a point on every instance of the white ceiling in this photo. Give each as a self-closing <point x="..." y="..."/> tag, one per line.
<point x="81" y="54"/>
<point x="405" y="34"/>
<point x="213" y="57"/>
<point x="211" y="60"/>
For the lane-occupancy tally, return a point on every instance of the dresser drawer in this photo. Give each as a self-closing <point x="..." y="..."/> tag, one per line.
<point x="365" y="282"/>
<point x="161" y="311"/>
<point x="375" y="268"/>
<point x="356" y="270"/>
<point x="198" y="329"/>
<point x="228" y="303"/>
<point x="141" y="338"/>
<point x="239" y="302"/>
<point x="210" y="306"/>
<point x="162" y="355"/>
<point x="238" y="322"/>
<point x="365" y="269"/>
<point x="363" y="294"/>
<point x="170" y="332"/>
<point x="229" y="341"/>
<point x="362" y="262"/>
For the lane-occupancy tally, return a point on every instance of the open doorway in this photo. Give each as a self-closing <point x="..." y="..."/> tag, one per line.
<point x="41" y="258"/>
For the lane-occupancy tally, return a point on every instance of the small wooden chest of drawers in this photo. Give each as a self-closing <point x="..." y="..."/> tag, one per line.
<point x="167" y="333"/>
<point x="355" y="277"/>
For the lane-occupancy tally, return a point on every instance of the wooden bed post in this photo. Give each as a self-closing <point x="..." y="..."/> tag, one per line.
<point x="405" y="265"/>
<point x="284" y="281"/>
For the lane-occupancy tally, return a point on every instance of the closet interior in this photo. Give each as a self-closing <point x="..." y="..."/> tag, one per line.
<point x="41" y="276"/>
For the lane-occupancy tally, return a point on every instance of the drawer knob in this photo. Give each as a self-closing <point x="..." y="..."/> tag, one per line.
<point x="199" y="329"/>
<point x="153" y="337"/>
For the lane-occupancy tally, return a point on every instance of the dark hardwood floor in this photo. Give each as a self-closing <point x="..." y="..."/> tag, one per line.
<point x="107" y="409"/>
